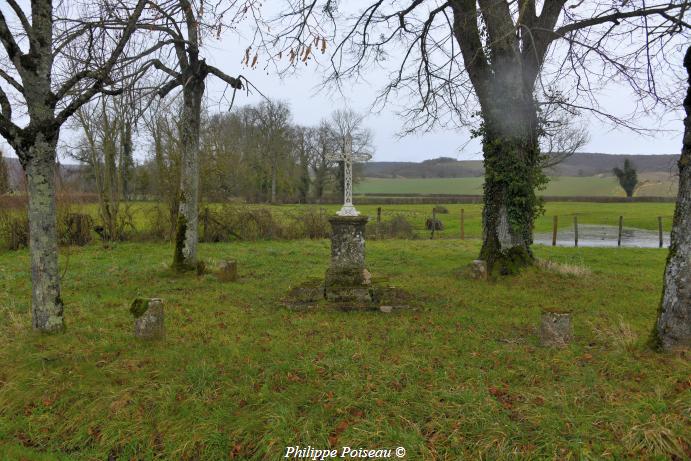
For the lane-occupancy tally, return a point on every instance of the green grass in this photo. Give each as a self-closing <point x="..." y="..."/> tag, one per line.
<point x="655" y="184"/>
<point x="239" y="376"/>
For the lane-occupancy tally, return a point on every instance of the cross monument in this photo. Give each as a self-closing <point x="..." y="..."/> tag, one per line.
<point x="347" y="157"/>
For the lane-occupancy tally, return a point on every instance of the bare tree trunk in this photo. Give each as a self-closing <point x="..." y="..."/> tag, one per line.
<point x="46" y="306"/>
<point x="186" y="235"/>
<point x="274" y="173"/>
<point x="674" y="320"/>
<point x="126" y="161"/>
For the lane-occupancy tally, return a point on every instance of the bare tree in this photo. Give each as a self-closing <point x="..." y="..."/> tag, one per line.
<point x="563" y="133"/>
<point x="303" y="137"/>
<point x="322" y="146"/>
<point x="674" y="321"/>
<point x="107" y="125"/>
<point x="162" y="124"/>
<point x="39" y="88"/>
<point x="182" y="26"/>
<point x="4" y="175"/>
<point x="272" y="120"/>
<point x="501" y="59"/>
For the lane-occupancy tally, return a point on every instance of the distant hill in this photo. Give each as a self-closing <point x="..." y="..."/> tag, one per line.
<point x="580" y="164"/>
<point x="67" y="172"/>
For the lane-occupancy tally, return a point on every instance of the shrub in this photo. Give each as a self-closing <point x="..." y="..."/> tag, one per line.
<point x="311" y="223"/>
<point x="76" y="229"/>
<point x="434" y="224"/>
<point x="161" y="224"/>
<point x="242" y="222"/>
<point x="14" y="229"/>
<point x="397" y="227"/>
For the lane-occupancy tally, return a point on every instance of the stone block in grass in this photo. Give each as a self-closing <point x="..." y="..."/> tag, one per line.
<point x="148" y="318"/>
<point x="227" y="271"/>
<point x="555" y="328"/>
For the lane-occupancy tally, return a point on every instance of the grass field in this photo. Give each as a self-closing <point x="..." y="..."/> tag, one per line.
<point x="653" y="184"/>
<point x="240" y="376"/>
<point x="638" y="215"/>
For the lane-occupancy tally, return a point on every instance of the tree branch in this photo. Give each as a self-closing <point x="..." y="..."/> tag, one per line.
<point x="615" y="18"/>
<point x="11" y="47"/>
<point x="234" y="83"/>
<point x="103" y="73"/>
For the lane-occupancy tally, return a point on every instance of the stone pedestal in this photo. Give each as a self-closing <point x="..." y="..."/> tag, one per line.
<point x="347" y="280"/>
<point x="148" y="318"/>
<point x="555" y="329"/>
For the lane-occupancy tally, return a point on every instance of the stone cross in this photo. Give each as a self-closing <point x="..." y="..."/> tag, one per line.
<point x="347" y="157"/>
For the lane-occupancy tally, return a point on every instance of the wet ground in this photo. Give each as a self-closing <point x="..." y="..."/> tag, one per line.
<point x="605" y="236"/>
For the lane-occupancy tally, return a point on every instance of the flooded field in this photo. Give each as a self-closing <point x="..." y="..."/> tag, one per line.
<point x="605" y="236"/>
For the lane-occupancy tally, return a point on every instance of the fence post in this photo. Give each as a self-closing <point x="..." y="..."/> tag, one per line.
<point x="434" y="222"/>
<point x="621" y="226"/>
<point x="462" y="224"/>
<point x="378" y="222"/>
<point x="575" y="230"/>
<point x="555" y="223"/>
<point x="659" y="229"/>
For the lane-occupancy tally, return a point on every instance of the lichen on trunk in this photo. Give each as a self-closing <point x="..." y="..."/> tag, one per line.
<point x="46" y="303"/>
<point x="186" y="235"/>
<point x="673" y="328"/>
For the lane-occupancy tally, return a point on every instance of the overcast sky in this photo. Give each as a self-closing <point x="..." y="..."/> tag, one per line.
<point x="310" y="102"/>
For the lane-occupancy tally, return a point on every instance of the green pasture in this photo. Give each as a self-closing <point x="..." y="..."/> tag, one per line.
<point x="653" y="185"/>
<point x="240" y="376"/>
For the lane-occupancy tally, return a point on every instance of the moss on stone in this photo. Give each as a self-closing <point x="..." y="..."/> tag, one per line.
<point x="139" y="307"/>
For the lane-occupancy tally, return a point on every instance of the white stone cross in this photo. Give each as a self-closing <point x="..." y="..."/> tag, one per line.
<point x="347" y="158"/>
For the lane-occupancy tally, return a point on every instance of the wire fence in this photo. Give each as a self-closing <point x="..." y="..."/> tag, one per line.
<point x="563" y="224"/>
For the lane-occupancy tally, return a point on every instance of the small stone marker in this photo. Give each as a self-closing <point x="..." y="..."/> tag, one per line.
<point x="478" y="270"/>
<point x="148" y="318"/>
<point x="227" y="271"/>
<point x="555" y="329"/>
<point x="386" y="309"/>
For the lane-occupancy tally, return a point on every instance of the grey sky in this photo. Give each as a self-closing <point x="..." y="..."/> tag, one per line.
<point x="310" y="102"/>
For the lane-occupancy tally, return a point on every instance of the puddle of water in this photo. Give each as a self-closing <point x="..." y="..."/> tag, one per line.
<point x="604" y="236"/>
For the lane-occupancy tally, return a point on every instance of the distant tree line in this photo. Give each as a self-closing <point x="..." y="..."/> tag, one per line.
<point x="255" y="153"/>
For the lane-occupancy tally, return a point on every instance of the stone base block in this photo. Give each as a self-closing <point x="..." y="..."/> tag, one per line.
<point x="227" y="271"/>
<point x="555" y="329"/>
<point x="148" y="318"/>
<point x="348" y="286"/>
<point x="478" y="270"/>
